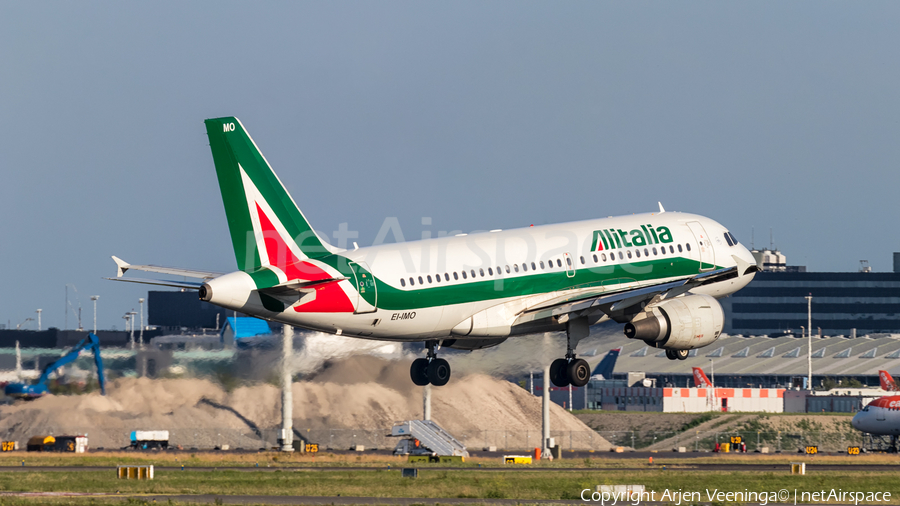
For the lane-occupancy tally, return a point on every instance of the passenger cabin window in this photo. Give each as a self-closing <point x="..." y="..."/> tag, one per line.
<point x="507" y="269"/>
<point x="542" y="265"/>
<point x="654" y="251"/>
<point x="446" y="277"/>
<point x="558" y="262"/>
<point x="516" y="267"/>
<point x="569" y="261"/>
<point x="464" y="274"/>
<point x="638" y="253"/>
<point x="621" y="256"/>
<point x="524" y="267"/>
<point x="688" y="246"/>
<point x="603" y="256"/>
<point x="672" y="249"/>
<point x="411" y="282"/>
<point x="481" y="272"/>
<point x="595" y="258"/>
<point x="402" y="282"/>
<point x="533" y="266"/>
<point x="628" y="253"/>
<point x="679" y="248"/>
<point x="429" y="278"/>
<point x="490" y="271"/>
<point x="420" y="280"/>
<point x="646" y="253"/>
<point x="437" y="278"/>
<point x="455" y="276"/>
<point x="473" y="273"/>
<point x="582" y="260"/>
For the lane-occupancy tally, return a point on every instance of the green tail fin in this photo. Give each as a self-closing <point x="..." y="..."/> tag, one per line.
<point x="261" y="214"/>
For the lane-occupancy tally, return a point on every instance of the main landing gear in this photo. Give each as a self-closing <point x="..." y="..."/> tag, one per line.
<point x="677" y="354"/>
<point x="570" y="370"/>
<point x="430" y="369"/>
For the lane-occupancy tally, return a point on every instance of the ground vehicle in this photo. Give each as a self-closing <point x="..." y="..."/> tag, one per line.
<point x="25" y="391"/>
<point x="149" y="440"/>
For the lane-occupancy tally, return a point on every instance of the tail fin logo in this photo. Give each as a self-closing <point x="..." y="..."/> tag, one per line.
<point x="887" y="382"/>
<point x="249" y="189"/>
<point x="700" y="379"/>
<point x="272" y="240"/>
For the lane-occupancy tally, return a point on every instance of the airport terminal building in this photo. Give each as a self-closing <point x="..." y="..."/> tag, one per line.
<point x="843" y="303"/>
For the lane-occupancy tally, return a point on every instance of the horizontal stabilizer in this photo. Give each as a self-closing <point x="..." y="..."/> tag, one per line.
<point x="190" y="285"/>
<point x="123" y="266"/>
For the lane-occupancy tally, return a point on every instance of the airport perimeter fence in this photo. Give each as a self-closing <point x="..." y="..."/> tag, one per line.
<point x="475" y="440"/>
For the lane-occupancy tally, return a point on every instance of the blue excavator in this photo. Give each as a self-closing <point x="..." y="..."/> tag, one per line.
<point x="26" y="391"/>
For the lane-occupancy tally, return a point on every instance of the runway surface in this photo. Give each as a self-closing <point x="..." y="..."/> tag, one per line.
<point x="680" y="466"/>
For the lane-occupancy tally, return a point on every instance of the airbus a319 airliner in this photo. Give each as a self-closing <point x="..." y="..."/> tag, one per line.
<point x="658" y="273"/>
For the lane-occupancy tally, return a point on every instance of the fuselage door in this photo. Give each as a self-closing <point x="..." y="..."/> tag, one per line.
<point x="367" y="291"/>
<point x="704" y="246"/>
<point x="570" y="265"/>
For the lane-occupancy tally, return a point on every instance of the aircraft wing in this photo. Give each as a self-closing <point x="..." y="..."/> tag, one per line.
<point x="174" y="271"/>
<point x="616" y="303"/>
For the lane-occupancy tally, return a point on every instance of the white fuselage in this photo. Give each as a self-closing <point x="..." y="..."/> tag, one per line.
<point x="880" y="417"/>
<point x="430" y="289"/>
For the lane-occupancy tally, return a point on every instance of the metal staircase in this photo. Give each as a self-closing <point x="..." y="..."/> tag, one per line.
<point x="432" y="436"/>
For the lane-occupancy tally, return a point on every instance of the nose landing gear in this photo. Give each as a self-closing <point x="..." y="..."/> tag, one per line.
<point x="431" y="369"/>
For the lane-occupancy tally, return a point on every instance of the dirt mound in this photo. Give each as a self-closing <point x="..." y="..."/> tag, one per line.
<point x="349" y="401"/>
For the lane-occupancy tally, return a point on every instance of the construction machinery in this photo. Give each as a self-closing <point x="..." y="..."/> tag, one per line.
<point x="26" y="391"/>
<point x="75" y="444"/>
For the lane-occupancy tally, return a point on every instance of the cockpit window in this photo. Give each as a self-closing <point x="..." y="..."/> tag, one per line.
<point x="733" y="238"/>
<point x="728" y="239"/>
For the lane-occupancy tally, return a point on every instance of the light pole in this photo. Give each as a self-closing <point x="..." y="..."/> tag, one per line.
<point x="38" y="311"/>
<point x="94" y="298"/>
<point x="141" y="336"/>
<point x="809" y="333"/>
<point x="131" y="314"/>
<point x="127" y="317"/>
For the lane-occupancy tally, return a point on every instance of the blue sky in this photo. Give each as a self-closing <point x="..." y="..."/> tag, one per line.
<point x="478" y="115"/>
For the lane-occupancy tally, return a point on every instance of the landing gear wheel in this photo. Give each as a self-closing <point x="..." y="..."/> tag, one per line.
<point x="558" y="372"/>
<point x="418" y="371"/>
<point x="578" y="372"/>
<point x="438" y="372"/>
<point x="670" y="354"/>
<point x="682" y="354"/>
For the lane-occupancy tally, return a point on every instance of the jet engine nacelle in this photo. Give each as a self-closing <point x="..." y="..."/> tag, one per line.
<point x="682" y="323"/>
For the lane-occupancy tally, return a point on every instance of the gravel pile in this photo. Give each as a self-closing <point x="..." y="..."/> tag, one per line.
<point x="355" y="399"/>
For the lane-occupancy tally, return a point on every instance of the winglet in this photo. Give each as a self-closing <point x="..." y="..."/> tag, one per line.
<point x="661" y="210"/>
<point x="122" y="266"/>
